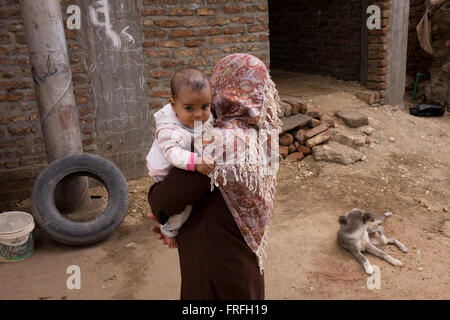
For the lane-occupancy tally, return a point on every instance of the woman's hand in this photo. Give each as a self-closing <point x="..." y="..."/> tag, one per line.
<point x="157" y="229"/>
<point x="205" y="166"/>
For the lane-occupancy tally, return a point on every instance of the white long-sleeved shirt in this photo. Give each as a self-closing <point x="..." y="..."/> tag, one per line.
<point x="172" y="144"/>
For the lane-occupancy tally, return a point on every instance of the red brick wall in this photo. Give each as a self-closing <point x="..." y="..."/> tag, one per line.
<point x="180" y="33"/>
<point x="21" y="143"/>
<point x="22" y="148"/>
<point x="378" y="51"/>
<point x="316" y="36"/>
<point x="176" y="33"/>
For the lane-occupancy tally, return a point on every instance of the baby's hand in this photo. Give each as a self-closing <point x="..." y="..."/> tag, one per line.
<point x="206" y="166"/>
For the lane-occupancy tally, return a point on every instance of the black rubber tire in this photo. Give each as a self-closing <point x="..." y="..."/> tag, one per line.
<point x="71" y="232"/>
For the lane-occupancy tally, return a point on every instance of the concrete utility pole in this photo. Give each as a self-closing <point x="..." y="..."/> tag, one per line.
<point x="52" y="77"/>
<point x="397" y="52"/>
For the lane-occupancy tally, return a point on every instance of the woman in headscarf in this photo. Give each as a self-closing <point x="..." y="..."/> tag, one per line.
<point x="221" y="245"/>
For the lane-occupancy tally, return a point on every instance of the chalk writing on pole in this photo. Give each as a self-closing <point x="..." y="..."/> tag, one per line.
<point x="102" y="8"/>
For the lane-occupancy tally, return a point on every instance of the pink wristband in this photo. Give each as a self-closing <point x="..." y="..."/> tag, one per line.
<point x="191" y="164"/>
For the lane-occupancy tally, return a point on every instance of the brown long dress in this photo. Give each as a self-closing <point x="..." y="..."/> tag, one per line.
<point x="215" y="261"/>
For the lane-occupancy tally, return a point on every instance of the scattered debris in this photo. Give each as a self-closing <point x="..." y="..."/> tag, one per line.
<point x="302" y="132"/>
<point x="315" y="123"/>
<point x="292" y="122"/>
<point x="286" y="109"/>
<point x="112" y="278"/>
<point x="350" y="141"/>
<point x="336" y="152"/>
<point x="314" y="131"/>
<point x="297" y="106"/>
<point x="286" y="140"/>
<point x="353" y="119"/>
<point x="445" y="228"/>
<point x="329" y="120"/>
<point x="315" y="112"/>
<point x="368" y="96"/>
<point x="304" y="149"/>
<point x="419" y="261"/>
<point x="367" y="130"/>
<point x="296" y="156"/>
<point x="318" y="139"/>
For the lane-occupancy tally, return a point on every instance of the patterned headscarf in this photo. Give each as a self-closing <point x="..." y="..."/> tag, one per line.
<point x="244" y="144"/>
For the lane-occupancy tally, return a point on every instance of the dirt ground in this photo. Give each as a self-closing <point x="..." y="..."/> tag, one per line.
<point x="406" y="172"/>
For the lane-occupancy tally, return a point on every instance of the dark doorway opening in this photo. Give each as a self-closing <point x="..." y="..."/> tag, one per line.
<point x="318" y="37"/>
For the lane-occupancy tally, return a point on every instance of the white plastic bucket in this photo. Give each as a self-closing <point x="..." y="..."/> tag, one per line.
<point x="16" y="236"/>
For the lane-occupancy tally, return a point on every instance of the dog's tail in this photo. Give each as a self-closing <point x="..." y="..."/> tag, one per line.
<point x="381" y="218"/>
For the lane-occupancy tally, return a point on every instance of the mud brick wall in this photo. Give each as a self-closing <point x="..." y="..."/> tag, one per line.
<point x="198" y="33"/>
<point x="176" y="33"/>
<point x="316" y="36"/>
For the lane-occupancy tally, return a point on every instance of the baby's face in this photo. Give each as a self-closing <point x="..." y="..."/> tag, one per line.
<point x="191" y="106"/>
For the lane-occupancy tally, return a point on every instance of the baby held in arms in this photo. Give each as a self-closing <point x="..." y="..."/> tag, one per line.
<point x="190" y="102"/>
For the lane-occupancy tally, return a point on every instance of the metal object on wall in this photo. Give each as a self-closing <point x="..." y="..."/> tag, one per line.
<point x="112" y="44"/>
<point x="52" y="78"/>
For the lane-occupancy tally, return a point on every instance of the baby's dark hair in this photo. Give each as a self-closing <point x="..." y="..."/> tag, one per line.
<point x="192" y="78"/>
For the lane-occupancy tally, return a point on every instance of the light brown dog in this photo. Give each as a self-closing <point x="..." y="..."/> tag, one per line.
<point x="359" y="232"/>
